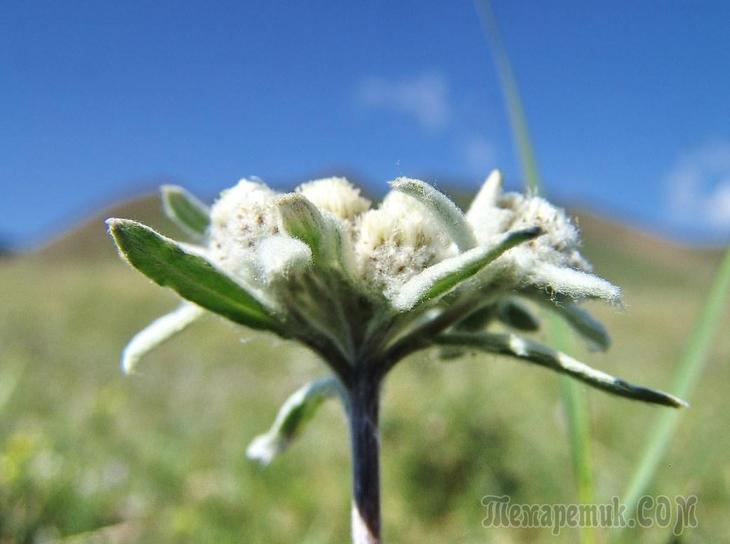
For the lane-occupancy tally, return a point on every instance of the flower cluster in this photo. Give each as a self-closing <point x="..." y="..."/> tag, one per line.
<point x="366" y="286"/>
<point x="253" y="237"/>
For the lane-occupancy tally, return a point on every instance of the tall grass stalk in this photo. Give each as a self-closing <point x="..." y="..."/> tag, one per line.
<point x="515" y="111"/>
<point x="573" y="398"/>
<point x="693" y="361"/>
<point x="577" y="414"/>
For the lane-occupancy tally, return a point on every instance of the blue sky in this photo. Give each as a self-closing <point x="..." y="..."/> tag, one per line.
<point x="628" y="102"/>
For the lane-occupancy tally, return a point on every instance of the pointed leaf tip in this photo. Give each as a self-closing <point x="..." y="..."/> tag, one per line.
<point x="488" y="195"/>
<point x="301" y="219"/>
<point x="534" y="352"/>
<point x="320" y="230"/>
<point x="516" y="315"/>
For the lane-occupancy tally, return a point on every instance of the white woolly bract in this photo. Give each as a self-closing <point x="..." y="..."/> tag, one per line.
<point x="441" y="210"/>
<point x="293" y="414"/>
<point x="489" y="192"/>
<point x="278" y="256"/>
<point x="484" y="215"/>
<point x="157" y="332"/>
<point x="573" y="283"/>
<point x="552" y="261"/>
<point x="265" y="447"/>
<point x="337" y="196"/>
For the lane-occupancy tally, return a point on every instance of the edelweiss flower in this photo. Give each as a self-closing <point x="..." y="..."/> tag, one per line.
<point x="364" y="288"/>
<point x="320" y="266"/>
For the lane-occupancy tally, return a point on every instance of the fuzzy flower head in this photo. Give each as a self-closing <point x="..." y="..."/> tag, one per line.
<point x="396" y="242"/>
<point x="336" y="196"/>
<point x="364" y="287"/>
<point x="552" y="261"/>
<point x="241" y="218"/>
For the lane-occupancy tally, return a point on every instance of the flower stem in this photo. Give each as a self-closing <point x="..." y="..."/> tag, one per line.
<point x="364" y="396"/>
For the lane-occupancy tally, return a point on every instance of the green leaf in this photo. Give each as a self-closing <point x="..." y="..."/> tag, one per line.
<point x="446" y="275"/>
<point x="158" y="332"/>
<point x="294" y="414"/>
<point x="587" y="326"/>
<point x="527" y="350"/>
<point x="507" y="310"/>
<point x="478" y="320"/>
<point x="579" y="319"/>
<point x="185" y="210"/>
<point x="193" y="277"/>
<point x="693" y="361"/>
<point x="516" y="315"/>
<point x="442" y="208"/>
<point x="301" y="219"/>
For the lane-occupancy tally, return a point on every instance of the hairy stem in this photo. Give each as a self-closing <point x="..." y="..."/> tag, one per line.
<point x="364" y="396"/>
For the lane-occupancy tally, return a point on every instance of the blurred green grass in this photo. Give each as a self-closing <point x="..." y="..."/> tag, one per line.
<point x="87" y="455"/>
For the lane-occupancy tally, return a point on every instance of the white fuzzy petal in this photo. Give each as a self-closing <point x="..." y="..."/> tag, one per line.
<point x="487" y="197"/>
<point x="278" y="256"/>
<point x="573" y="283"/>
<point x="158" y="332"/>
<point x="292" y="416"/>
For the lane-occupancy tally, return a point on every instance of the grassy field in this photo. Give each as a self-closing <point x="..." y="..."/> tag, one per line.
<point x="88" y="455"/>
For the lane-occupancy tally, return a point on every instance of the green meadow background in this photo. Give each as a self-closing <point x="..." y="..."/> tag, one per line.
<point x="88" y="455"/>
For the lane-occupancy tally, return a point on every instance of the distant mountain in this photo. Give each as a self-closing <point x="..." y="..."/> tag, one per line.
<point x="6" y="248"/>
<point x="89" y="239"/>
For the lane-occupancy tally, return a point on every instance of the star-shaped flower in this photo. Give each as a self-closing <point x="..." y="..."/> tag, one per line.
<point x="365" y="287"/>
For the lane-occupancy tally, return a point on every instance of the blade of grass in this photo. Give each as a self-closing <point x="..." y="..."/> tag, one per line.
<point x="572" y="397"/>
<point x="575" y="406"/>
<point x="507" y="81"/>
<point x="693" y="361"/>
